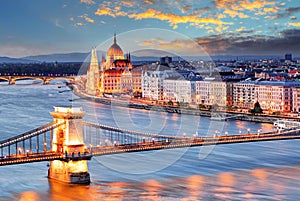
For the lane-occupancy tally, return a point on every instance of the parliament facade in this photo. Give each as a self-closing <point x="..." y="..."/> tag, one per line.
<point x="114" y="75"/>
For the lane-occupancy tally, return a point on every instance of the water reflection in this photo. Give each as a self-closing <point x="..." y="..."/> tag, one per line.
<point x="255" y="184"/>
<point x="151" y="190"/>
<point x="29" y="196"/>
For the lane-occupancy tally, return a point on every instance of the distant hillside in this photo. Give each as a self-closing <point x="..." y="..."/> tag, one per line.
<point x="81" y="56"/>
<point x="15" y="60"/>
<point x="66" y="57"/>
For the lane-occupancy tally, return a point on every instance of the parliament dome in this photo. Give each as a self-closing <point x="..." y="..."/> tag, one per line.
<point x="114" y="51"/>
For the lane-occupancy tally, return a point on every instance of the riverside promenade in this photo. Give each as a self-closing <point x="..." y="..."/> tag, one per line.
<point x="221" y="115"/>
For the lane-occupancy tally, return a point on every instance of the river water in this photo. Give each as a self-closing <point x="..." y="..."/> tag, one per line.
<point x="250" y="171"/>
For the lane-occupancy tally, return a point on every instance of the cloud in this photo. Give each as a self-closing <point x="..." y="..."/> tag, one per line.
<point x="105" y="11"/>
<point x="177" y="47"/>
<point x="287" y="41"/>
<point x="128" y="3"/>
<point x="174" y="19"/>
<point x="240" y="29"/>
<point x="86" y="18"/>
<point x="202" y="10"/>
<point x="256" y="4"/>
<point x="57" y="23"/>
<point x="149" y="1"/>
<point x="233" y="14"/>
<point x="89" y="2"/>
<point x="79" y="24"/>
<point x="237" y="8"/>
<point x="294" y="24"/>
<point x="288" y="12"/>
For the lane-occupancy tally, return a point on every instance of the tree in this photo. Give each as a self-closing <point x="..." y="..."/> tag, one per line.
<point x="256" y="109"/>
<point x="170" y="103"/>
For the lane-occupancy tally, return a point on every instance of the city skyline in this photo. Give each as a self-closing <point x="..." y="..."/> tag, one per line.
<point x="221" y="27"/>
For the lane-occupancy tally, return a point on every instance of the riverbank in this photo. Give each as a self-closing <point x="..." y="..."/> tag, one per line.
<point x="217" y="116"/>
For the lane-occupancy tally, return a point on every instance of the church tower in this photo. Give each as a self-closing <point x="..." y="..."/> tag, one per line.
<point x="92" y="82"/>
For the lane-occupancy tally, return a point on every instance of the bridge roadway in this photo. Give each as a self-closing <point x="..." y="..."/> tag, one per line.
<point x="168" y="143"/>
<point x="192" y="142"/>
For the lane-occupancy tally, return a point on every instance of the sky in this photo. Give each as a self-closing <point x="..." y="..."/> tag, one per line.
<point x="219" y="27"/>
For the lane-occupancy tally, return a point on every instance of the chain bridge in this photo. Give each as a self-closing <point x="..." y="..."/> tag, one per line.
<point x="69" y="142"/>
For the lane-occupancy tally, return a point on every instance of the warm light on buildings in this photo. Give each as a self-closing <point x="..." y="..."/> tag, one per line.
<point x="115" y="75"/>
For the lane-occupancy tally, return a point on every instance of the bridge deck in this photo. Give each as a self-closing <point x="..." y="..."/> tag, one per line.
<point x="137" y="144"/>
<point x="191" y="142"/>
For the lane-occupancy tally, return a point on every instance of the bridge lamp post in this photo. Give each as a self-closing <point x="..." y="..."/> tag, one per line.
<point x="248" y="129"/>
<point x="45" y="146"/>
<point x="20" y="151"/>
<point x="258" y="132"/>
<point x="91" y="148"/>
<point x="226" y="133"/>
<point x="216" y="133"/>
<point x="27" y="152"/>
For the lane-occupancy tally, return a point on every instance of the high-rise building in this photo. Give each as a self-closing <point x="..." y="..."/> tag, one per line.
<point x="165" y="60"/>
<point x="288" y="57"/>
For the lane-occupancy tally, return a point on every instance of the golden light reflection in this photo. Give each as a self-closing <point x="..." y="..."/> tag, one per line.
<point x="29" y="196"/>
<point x="226" y="182"/>
<point x="261" y="176"/>
<point x="175" y="116"/>
<point x="152" y="188"/>
<point x="195" y="186"/>
<point x="226" y="179"/>
<point x="116" y="192"/>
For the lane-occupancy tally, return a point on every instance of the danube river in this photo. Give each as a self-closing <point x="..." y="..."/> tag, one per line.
<point x="250" y="171"/>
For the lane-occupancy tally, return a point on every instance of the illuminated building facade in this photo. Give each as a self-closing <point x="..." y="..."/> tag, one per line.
<point x="244" y="94"/>
<point x="116" y="74"/>
<point x="276" y="95"/>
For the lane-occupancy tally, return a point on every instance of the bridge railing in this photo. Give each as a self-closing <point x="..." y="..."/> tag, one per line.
<point x="29" y="143"/>
<point x="29" y="134"/>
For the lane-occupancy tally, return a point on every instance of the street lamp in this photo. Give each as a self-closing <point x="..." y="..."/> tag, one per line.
<point x="226" y="133"/>
<point x="248" y="129"/>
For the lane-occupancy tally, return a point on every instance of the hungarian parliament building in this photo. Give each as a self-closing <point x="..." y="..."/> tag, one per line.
<point x="115" y="74"/>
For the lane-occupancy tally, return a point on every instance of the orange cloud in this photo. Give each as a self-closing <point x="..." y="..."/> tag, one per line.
<point x="294" y="24"/>
<point x="86" y="18"/>
<point x="90" y="2"/>
<point x="256" y="4"/>
<point x="149" y="1"/>
<point x="105" y="11"/>
<point x="174" y="19"/>
<point x="240" y="29"/>
<point x="231" y="7"/>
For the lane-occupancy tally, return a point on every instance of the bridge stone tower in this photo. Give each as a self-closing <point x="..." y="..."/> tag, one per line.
<point x="68" y="140"/>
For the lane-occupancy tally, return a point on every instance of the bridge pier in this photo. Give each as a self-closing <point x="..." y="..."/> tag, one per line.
<point x="11" y="81"/>
<point x="68" y="141"/>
